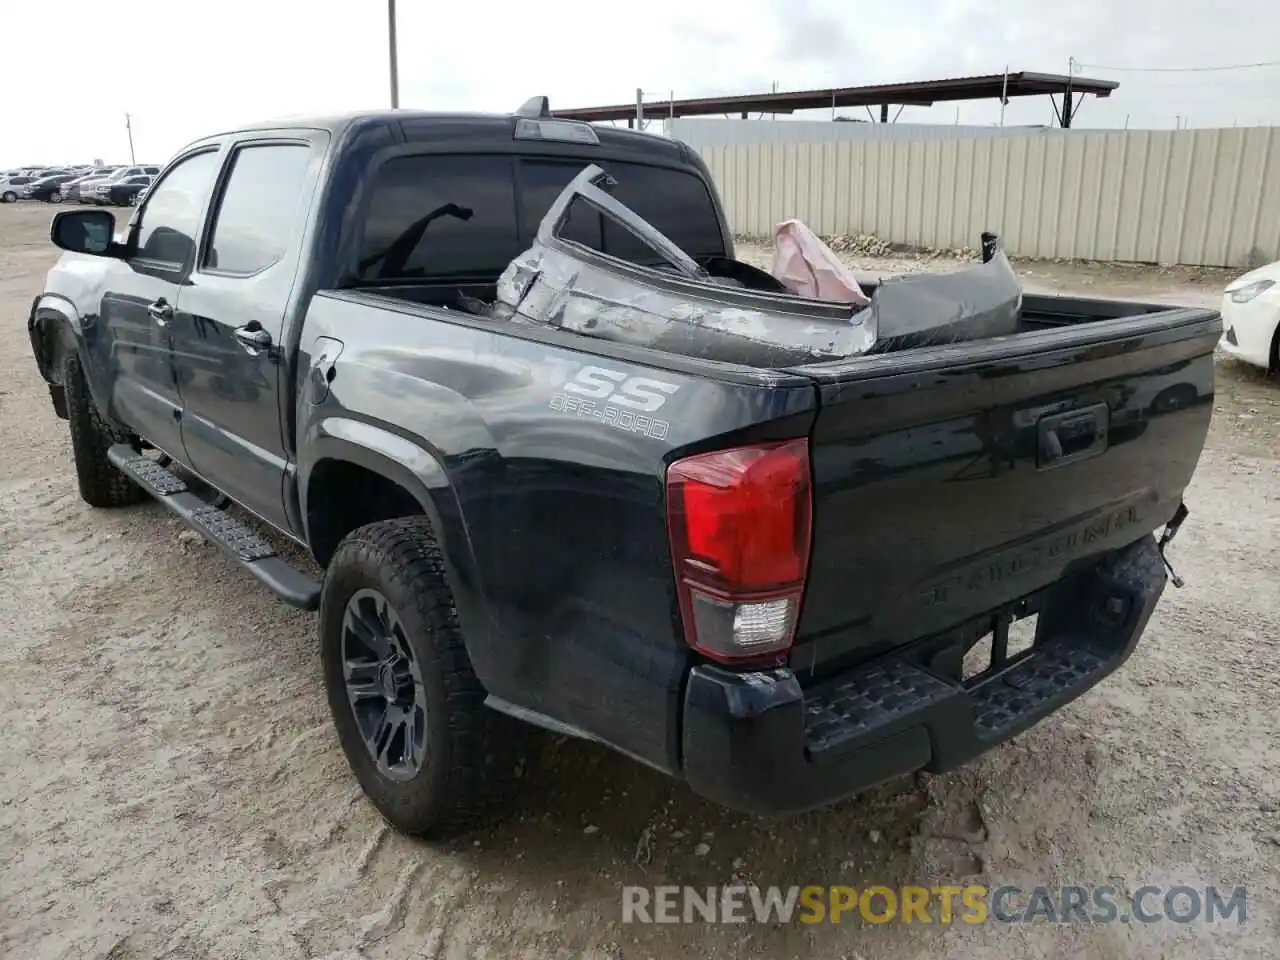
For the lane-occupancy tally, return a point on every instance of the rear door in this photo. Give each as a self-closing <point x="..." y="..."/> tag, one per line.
<point x="140" y="294"/>
<point x="226" y="336"/>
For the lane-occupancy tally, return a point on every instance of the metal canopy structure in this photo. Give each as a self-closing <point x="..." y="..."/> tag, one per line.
<point x="923" y="93"/>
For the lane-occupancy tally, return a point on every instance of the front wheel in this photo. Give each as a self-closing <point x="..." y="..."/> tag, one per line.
<point x="101" y="484"/>
<point x="9" y="197"/>
<point x="408" y="709"/>
<point x="55" y="197"/>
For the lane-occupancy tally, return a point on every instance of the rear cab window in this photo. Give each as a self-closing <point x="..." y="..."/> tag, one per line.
<point x="674" y="201"/>
<point x="467" y="216"/>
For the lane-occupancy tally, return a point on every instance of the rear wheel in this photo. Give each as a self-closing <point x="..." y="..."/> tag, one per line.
<point x="408" y="709"/>
<point x="101" y="484"/>
<point x="55" y="197"/>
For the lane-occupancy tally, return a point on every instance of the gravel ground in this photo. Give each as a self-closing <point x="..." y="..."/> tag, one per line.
<point x="172" y="786"/>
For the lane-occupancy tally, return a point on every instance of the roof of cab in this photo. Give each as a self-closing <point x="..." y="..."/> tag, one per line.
<point x="418" y="125"/>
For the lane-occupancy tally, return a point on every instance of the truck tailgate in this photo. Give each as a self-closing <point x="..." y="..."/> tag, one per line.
<point x="949" y="481"/>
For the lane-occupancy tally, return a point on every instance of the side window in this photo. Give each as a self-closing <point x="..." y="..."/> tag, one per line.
<point x="440" y="217"/>
<point x="169" y="222"/>
<point x="258" y="208"/>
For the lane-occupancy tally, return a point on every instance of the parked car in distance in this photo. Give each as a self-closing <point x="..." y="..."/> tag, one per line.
<point x="90" y="194"/>
<point x="71" y="190"/>
<point x="124" y="193"/>
<point x="11" y="189"/>
<point x="101" y="191"/>
<point x="1251" y="318"/>
<point x="48" y="189"/>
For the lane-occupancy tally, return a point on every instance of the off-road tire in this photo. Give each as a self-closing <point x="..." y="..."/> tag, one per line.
<point x="101" y="484"/>
<point x="474" y="755"/>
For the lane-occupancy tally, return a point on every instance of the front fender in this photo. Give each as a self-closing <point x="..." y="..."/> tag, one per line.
<point x="418" y="471"/>
<point x="55" y="329"/>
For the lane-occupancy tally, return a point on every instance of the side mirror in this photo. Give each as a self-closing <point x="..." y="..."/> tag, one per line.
<point x="84" y="231"/>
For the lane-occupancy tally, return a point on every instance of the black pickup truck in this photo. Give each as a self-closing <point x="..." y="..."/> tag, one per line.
<point x="566" y="463"/>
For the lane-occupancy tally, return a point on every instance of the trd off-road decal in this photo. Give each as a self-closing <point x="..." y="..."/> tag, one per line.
<point x="616" y="399"/>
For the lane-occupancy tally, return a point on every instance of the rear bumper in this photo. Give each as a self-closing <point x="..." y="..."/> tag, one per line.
<point x="760" y="743"/>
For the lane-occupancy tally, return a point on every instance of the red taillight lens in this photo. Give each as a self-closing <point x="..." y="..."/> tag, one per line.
<point x="740" y="526"/>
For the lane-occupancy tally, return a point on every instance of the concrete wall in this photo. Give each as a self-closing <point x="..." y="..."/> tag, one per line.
<point x="1203" y="197"/>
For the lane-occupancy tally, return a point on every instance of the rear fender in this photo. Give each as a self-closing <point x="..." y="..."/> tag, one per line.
<point x="418" y="471"/>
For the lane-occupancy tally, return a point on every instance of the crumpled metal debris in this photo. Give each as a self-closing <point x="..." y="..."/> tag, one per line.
<point x="680" y="307"/>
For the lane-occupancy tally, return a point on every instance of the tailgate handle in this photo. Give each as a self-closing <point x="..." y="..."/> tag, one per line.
<point x="1064" y="438"/>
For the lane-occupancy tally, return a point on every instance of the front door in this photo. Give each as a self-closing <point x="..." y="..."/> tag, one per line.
<point x="227" y="337"/>
<point x="133" y="352"/>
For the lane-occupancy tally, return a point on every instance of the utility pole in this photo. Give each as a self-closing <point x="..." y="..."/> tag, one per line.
<point x="128" y="126"/>
<point x="1067" y="107"/>
<point x="1004" y="93"/>
<point x="395" y="70"/>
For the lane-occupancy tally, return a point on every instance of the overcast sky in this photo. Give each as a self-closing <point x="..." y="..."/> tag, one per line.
<point x="184" y="68"/>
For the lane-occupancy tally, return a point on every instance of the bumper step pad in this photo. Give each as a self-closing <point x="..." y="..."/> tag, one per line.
<point x="869" y="701"/>
<point x="1078" y="643"/>
<point x="1044" y="676"/>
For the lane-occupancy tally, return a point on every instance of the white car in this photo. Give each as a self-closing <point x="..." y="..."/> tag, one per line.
<point x="1251" y="317"/>
<point x="12" y="188"/>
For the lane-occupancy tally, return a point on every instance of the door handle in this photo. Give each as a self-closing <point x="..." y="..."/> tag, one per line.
<point x="253" y="338"/>
<point x="161" y="311"/>
<point x="1075" y="435"/>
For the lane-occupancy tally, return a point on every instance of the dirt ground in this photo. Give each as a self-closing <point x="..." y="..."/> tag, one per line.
<point x="172" y="786"/>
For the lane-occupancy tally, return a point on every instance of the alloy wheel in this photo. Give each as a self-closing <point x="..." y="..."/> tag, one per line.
<point x="384" y="685"/>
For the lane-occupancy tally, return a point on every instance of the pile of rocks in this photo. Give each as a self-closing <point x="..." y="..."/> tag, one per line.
<point x="860" y="244"/>
<point x="869" y="245"/>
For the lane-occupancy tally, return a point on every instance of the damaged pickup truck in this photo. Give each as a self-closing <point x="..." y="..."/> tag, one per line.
<point x="566" y="463"/>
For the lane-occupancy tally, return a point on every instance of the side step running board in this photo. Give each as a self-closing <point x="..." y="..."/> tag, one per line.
<point x="233" y="537"/>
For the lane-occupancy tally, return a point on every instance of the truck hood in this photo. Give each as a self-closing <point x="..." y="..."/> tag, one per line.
<point x="723" y="310"/>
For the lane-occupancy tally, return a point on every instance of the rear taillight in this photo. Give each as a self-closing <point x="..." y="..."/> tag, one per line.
<point x="740" y="524"/>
